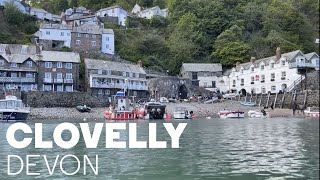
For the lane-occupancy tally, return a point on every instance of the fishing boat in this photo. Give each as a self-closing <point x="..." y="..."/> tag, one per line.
<point x="13" y="109"/>
<point x="257" y="114"/>
<point x="312" y="112"/>
<point x="247" y="103"/>
<point x="224" y="114"/>
<point x="83" y="108"/>
<point x="182" y="113"/>
<point x="121" y="109"/>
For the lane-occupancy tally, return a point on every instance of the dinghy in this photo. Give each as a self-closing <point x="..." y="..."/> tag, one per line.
<point x="248" y="103"/>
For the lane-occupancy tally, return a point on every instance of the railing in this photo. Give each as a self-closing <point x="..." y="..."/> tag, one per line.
<point x="47" y="80"/>
<point x="118" y="86"/>
<point x="17" y="79"/>
<point x="58" y="80"/>
<point x="68" y="80"/>
<point x="301" y="65"/>
<point x="295" y="83"/>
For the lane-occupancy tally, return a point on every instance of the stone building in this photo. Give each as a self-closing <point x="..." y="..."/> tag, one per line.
<point x="113" y="14"/>
<point x="105" y="78"/>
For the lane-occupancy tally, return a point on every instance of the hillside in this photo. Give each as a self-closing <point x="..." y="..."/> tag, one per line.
<point x="208" y="30"/>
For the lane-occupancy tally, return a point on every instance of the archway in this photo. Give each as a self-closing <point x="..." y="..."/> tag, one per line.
<point x="243" y="92"/>
<point x="253" y="90"/>
<point x="284" y="87"/>
<point x="183" y="92"/>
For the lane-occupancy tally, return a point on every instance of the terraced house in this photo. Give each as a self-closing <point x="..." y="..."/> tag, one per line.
<point x="29" y="68"/>
<point x="105" y="78"/>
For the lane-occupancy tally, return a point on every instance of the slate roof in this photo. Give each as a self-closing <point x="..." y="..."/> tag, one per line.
<point x="55" y="26"/>
<point x="111" y="7"/>
<point x="38" y="10"/>
<point x="310" y="55"/>
<point x="115" y="66"/>
<point x="88" y="28"/>
<point x="204" y="67"/>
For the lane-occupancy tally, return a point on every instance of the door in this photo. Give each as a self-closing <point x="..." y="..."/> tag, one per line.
<point x="213" y="84"/>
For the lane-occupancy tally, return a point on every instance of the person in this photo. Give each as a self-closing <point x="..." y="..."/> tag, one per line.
<point x="294" y="108"/>
<point x="263" y="112"/>
<point x="271" y="106"/>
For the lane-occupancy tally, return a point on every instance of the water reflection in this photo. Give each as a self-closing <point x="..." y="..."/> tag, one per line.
<point x="220" y="149"/>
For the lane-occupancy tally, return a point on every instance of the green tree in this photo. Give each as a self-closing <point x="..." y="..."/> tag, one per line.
<point x="12" y="14"/>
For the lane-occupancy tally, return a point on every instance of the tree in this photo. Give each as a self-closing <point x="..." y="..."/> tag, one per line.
<point x="12" y="14"/>
<point x="73" y="3"/>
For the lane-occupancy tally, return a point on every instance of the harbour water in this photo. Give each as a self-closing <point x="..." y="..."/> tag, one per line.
<point x="245" y="149"/>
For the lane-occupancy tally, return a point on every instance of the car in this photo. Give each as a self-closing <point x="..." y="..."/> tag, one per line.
<point x="164" y="100"/>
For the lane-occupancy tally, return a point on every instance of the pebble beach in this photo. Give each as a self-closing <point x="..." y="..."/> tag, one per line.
<point x="201" y="111"/>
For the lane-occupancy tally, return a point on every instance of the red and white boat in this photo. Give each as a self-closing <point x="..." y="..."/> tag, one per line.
<point x="224" y="114"/>
<point x="312" y="112"/>
<point x="122" y="109"/>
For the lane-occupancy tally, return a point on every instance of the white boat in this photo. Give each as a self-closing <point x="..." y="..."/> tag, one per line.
<point x="210" y="101"/>
<point x="182" y="113"/>
<point x="13" y="109"/>
<point x="257" y="114"/>
<point x="312" y="112"/>
<point x="224" y="114"/>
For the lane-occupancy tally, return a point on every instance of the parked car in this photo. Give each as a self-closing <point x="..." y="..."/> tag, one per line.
<point x="164" y="100"/>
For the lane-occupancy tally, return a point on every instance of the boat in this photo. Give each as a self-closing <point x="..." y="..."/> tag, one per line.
<point x="121" y="109"/>
<point x="312" y="112"/>
<point x="83" y="108"/>
<point x="182" y="113"/>
<point x="152" y="110"/>
<point x="210" y="101"/>
<point x="247" y="103"/>
<point x="224" y="114"/>
<point x="13" y="109"/>
<point x="257" y="114"/>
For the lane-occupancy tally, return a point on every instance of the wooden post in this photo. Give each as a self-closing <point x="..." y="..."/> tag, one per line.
<point x="282" y="101"/>
<point x="305" y="99"/>
<point x="260" y="100"/>
<point x="245" y="99"/>
<point x="291" y="100"/>
<point x="275" y="101"/>
<point x="268" y="100"/>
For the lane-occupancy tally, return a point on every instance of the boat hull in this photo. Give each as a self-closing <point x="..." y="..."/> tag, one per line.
<point x="248" y="103"/>
<point x="14" y="116"/>
<point x="312" y="114"/>
<point x="121" y="115"/>
<point x="231" y="114"/>
<point x="255" y="114"/>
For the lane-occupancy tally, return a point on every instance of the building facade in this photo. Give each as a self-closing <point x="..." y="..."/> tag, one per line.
<point x="148" y="13"/>
<point x="114" y="11"/>
<point x="105" y="78"/>
<point x="205" y="75"/>
<point x="314" y="59"/>
<point x="53" y="36"/>
<point x="43" y="14"/>
<point x="271" y="74"/>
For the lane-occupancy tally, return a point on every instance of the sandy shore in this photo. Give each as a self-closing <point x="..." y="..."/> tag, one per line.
<point x="200" y="110"/>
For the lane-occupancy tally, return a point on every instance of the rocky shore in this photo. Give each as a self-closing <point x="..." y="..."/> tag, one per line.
<point x="200" y="110"/>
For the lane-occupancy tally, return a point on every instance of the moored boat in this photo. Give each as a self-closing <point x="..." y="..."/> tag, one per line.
<point x="312" y="112"/>
<point x="257" y="114"/>
<point x="224" y="114"/>
<point x="248" y="103"/>
<point x="83" y="108"/>
<point x="13" y="109"/>
<point x="121" y="109"/>
<point x="182" y="113"/>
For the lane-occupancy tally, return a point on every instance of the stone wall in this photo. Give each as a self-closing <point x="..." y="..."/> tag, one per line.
<point x="311" y="82"/>
<point x="312" y="99"/>
<point x="62" y="99"/>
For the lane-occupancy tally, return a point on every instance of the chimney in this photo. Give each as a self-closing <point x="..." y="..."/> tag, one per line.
<point x="38" y="49"/>
<point x="252" y="59"/>
<point x="140" y="63"/>
<point x="237" y="64"/>
<point x="7" y="51"/>
<point x="278" y="53"/>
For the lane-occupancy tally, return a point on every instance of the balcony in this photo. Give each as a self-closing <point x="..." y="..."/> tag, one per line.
<point x="301" y="65"/>
<point x="68" y="80"/>
<point x="117" y="86"/>
<point x="58" y="80"/>
<point x="47" y="80"/>
<point x="17" y="80"/>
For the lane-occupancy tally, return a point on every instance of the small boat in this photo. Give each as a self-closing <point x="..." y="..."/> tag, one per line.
<point x="224" y="114"/>
<point x="182" y="113"/>
<point x="122" y="109"/>
<point x="257" y="114"/>
<point x="154" y="110"/>
<point x="312" y="112"/>
<point x="211" y="100"/>
<point x="83" y="108"/>
<point x="247" y="103"/>
<point x="13" y="109"/>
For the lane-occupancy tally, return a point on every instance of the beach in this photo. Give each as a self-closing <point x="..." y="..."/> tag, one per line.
<point x="200" y="110"/>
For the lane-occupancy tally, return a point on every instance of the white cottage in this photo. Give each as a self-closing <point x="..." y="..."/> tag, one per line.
<point x="114" y="11"/>
<point x="271" y="74"/>
<point x="57" y="34"/>
<point x="107" y="44"/>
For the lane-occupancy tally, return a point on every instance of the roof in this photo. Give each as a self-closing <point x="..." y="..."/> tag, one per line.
<point x="20" y="53"/>
<point x="111" y="7"/>
<point x="55" y="26"/>
<point x="78" y="17"/>
<point x="115" y="66"/>
<point x="38" y="10"/>
<point x="88" y="28"/>
<point x="150" y="9"/>
<point x="310" y="55"/>
<point x="108" y="31"/>
<point x="198" y="67"/>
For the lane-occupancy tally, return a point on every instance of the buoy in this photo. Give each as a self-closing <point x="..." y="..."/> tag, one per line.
<point x="168" y="116"/>
<point x="84" y="119"/>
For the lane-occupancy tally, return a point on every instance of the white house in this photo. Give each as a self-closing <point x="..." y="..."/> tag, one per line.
<point x="271" y="74"/>
<point x="114" y="11"/>
<point x="59" y="34"/>
<point x="205" y="75"/>
<point x="107" y="44"/>
<point x="136" y="9"/>
<point x="22" y="6"/>
<point x="43" y="14"/>
<point x="314" y="59"/>
<point x="149" y="12"/>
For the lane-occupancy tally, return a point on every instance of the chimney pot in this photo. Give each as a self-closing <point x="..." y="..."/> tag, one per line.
<point x="278" y="53"/>
<point x="140" y="63"/>
<point x="252" y="59"/>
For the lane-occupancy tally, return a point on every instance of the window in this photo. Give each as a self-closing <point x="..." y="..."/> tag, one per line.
<point x="107" y="38"/>
<point x="273" y="75"/>
<point x="48" y="64"/>
<point x="272" y="65"/>
<point x="47" y="32"/>
<point x="135" y="93"/>
<point x="94" y="36"/>
<point x="107" y="46"/>
<point x="317" y="62"/>
<point x="69" y="76"/>
<point x="68" y="66"/>
<point x="78" y="42"/>
<point x="263" y="78"/>
<point x="68" y="34"/>
<point x="14" y="74"/>
<point x="205" y="84"/>
<point x="47" y="75"/>
<point x="242" y="82"/>
<point x="69" y="88"/>
<point x="100" y="91"/>
<point x="86" y="35"/>
<point x="127" y="74"/>
<point x="59" y="64"/>
<point x="29" y="63"/>
<point x="241" y="71"/>
<point x="123" y="73"/>
<point x="47" y="88"/>
<point x="234" y="83"/>
<point x="14" y="65"/>
<point x="194" y="75"/>
<point x="93" y="43"/>
<point x="62" y="33"/>
<point x="59" y="88"/>
<point x="59" y="75"/>
<point x="99" y="71"/>
<point x="252" y="69"/>
<point x="283" y="63"/>
<point x="263" y="90"/>
<point x="273" y="88"/>
<point x="283" y="74"/>
<point x="262" y="67"/>
<point x="252" y="79"/>
<point x="1" y="62"/>
<point x="108" y="92"/>
<point x="78" y="35"/>
<point x="29" y="75"/>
